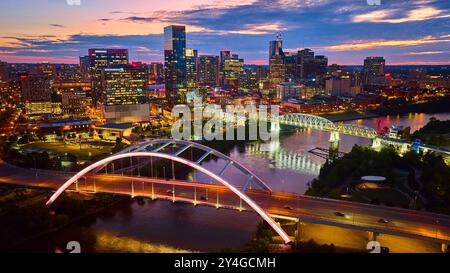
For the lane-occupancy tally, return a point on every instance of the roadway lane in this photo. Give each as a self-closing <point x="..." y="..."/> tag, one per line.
<point x="416" y="224"/>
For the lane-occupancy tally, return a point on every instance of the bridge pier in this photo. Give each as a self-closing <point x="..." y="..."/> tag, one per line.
<point x="334" y="145"/>
<point x="297" y="232"/>
<point x="444" y="248"/>
<point x="373" y="235"/>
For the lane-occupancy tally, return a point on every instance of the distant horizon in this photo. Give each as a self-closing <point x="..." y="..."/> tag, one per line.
<point x="404" y="32"/>
<point x="255" y="64"/>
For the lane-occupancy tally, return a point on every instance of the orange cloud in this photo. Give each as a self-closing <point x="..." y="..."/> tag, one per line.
<point x="387" y="16"/>
<point x="360" y="45"/>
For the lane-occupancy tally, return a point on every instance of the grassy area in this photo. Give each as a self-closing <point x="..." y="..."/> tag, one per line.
<point x="85" y="153"/>
<point x="11" y="194"/>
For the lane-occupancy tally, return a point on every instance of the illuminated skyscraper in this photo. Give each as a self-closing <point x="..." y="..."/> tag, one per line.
<point x="231" y="69"/>
<point x="124" y="93"/>
<point x="277" y="69"/>
<point x="100" y="59"/>
<point x="175" y="63"/>
<point x="191" y="67"/>
<point x="208" y="70"/>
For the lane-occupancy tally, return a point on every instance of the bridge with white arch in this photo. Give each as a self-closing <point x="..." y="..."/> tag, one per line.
<point x="252" y="194"/>
<point x="321" y="123"/>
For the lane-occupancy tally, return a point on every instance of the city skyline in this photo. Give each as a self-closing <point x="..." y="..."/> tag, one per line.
<point x="345" y="31"/>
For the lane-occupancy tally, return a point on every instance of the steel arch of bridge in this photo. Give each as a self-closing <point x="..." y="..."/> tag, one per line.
<point x="159" y="144"/>
<point x="321" y="123"/>
<point x="174" y="157"/>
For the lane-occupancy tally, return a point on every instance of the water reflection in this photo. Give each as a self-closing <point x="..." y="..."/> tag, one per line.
<point x="165" y="227"/>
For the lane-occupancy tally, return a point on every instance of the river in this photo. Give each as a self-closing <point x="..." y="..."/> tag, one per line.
<point x="160" y="226"/>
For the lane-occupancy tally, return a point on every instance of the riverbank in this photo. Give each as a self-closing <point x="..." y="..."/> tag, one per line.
<point x="431" y="107"/>
<point x="349" y="116"/>
<point x="30" y="219"/>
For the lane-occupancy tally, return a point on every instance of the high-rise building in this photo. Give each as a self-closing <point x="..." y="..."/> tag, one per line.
<point x="321" y="65"/>
<point x="191" y="67"/>
<point x="47" y="69"/>
<point x="277" y="69"/>
<point x="373" y="71"/>
<point x="276" y="46"/>
<point x="338" y="86"/>
<point x="287" y="90"/>
<point x="249" y="80"/>
<point x="231" y="72"/>
<point x="35" y="87"/>
<point x="306" y="64"/>
<point x="175" y="63"/>
<point x="156" y="73"/>
<point x="85" y="65"/>
<point x="100" y="59"/>
<point x="208" y="70"/>
<point x="124" y="93"/>
<point x="290" y="63"/>
<point x="4" y="71"/>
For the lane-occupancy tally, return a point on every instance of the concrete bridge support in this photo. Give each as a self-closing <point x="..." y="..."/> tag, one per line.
<point x="334" y="145"/>
<point x="444" y="248"/>
<point x="297" y="232"/>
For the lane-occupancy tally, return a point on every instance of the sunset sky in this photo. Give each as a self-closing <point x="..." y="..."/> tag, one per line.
<point x="403" y="31"/>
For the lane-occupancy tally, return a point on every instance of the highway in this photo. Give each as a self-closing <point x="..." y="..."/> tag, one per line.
<point x="401" y="222"/>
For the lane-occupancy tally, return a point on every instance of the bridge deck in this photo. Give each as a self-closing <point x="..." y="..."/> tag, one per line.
<point x="402" y="222"/>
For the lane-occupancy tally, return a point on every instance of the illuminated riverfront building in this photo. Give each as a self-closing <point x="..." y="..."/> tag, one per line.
<point x="175" y="63"/>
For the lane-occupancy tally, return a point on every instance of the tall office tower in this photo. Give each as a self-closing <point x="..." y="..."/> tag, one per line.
<point x="208" y="70"/>
<point x="224" y="55"/>
<point x="373" y="71"/>
<point x="100" y="59"/>
<point x="290" y="62"/>
<point x="124" y="93"/>
<point x="306" y="64"/>
<point x="156" y="73"/>
<point x="191" y="68"/>
<point x="276" y="46"/>
<point x="47" y="69"/>
<point x="320" y="69"/>
<point x="68" y="72"/>
<point x="248" y="80"/>
<point x="277" y="69"/>
<point x="231" y="71"/>
<point x="4" y="71"/>
<point x="85" y="66"/>
<point x="175" y="63"/>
